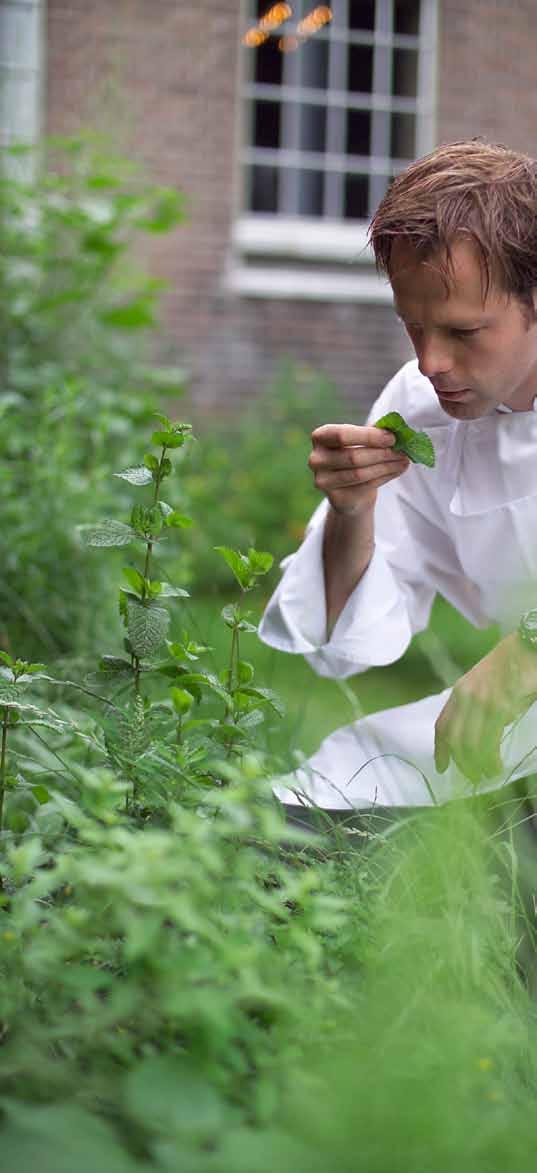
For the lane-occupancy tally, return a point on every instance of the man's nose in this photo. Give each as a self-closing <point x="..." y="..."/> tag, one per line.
<point x="434" y="357"/>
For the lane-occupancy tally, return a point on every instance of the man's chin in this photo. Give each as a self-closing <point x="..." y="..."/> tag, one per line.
<point x="468" y="409"/>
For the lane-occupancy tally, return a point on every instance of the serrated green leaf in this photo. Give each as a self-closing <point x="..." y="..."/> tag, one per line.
<point x="251" y="719"/>
<point x="416" y="445"/>
<point x="138" y="475"/>
<point x="114" y="664"/>
<point x="168" y="591"/>
<point x="9" y="693"/>
<point x="206" y="680"/>
<point x="106" y="533"/>
<point x="147" y="625"/>
<point x="266" y="696"/>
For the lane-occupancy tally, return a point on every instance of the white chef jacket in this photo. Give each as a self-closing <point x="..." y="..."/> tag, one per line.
<point x="466" y="529"/>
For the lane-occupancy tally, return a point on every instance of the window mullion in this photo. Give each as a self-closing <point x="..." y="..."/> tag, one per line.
<point x="289" y="191"/>
<point x="382" y="84"/>
<point x="336" y="116"/>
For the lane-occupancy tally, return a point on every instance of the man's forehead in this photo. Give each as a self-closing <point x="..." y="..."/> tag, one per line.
<point x="445" y="276"/>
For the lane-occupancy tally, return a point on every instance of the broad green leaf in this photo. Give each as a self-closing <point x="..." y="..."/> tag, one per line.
<point x="245" y="672"/>
<point x="168" y="439"/>
<point x="147" y="625"/>
<point x="106" y="533"/>
<point x="115" y="665"/>
<point x="168" y="591"/>
<point x="163" y="419"/>
<point x="178" y="520"/>
<point x="260" y="561"/>
<point x="182" y="700"/>
<point x="41" y="793"/>
<point x="238" y="564"/>
<point x="134" y="579"/>
<point x="134" y="315"/>
<point x="417" y="445"/>
<point x="251" y="719"/>
<point x="9" y="692"/>
<point x="206" y="680"/>
<point x="167" y="1094"/>
<point x="266" y="696"/>
<point x="138" y="475"/>
<point x="151" y="462"/>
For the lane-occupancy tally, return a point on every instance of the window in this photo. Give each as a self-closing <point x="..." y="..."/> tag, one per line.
<point x="326" y="125"/>
<point x="20" y="76"/>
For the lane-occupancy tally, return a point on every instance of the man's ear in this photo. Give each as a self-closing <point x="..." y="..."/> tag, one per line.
<point x="534" y="299"/>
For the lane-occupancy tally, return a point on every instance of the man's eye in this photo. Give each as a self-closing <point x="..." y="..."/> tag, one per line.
<point x="465" y="333"/>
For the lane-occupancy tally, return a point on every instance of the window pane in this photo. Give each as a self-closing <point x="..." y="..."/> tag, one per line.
<point x="264" y="189"/>
<point x="360" y="69"/>
<point x="362" y="14"/>
<point x="402" y="136"/>
<point x="310" y="193"/>
<point x="358" y="132"/>
<point x="313" y="128"/>
<point x="314" y="61"/>
<point x="406" y="17"/>
<point x="268" y="63"/>
<point x="405" y="73"/>
<point x="267" y="124"/>
<point x="356" y="197"/>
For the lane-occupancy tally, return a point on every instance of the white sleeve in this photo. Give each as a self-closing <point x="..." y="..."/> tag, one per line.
<point x="413" y="558"/>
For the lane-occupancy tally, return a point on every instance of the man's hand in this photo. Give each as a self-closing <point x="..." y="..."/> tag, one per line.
<point x="350" y="463"/>
<point x="497" y="690"/>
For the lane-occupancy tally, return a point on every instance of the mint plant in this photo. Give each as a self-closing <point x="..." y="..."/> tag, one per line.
<point x="163" y="738"/>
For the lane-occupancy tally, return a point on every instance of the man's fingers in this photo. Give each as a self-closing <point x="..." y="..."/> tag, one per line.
<point x="351" y="457"/>
<point x="342" y="435"/>
<point x="330" y="481"/>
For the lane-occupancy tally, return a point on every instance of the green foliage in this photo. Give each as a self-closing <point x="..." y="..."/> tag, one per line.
<point x="74" y="378"/>
<point x="417" y="445"/>
<point x="187" y="981"/>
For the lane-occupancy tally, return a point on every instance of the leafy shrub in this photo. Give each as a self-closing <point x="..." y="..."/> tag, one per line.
<point x="75" y="316"/>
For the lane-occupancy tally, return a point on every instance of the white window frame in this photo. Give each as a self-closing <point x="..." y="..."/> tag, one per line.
<point x="302" y="257"/>
<point x="22" y="68"/>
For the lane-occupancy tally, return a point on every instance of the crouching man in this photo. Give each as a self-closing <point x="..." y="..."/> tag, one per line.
<point x="456" y="234"/>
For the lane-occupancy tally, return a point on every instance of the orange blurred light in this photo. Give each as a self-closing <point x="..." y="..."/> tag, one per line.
<point x="314" y="21"/>
<point x="288" y="44"/>
<point x="253" y="38"/>
<point x="275" y="17"/>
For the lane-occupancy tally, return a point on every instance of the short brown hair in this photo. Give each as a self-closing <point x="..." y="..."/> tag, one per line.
<point x="475" y="189"/>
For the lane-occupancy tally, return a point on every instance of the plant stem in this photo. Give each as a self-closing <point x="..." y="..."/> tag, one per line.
<point x="155" y="502"/>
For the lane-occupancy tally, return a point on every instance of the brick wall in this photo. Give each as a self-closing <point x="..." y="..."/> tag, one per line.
<point x="162" y="76"/>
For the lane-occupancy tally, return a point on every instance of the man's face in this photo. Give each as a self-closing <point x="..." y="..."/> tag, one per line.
<point x="483" y="352"/>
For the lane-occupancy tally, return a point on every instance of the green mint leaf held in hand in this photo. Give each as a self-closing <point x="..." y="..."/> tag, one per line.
<point x="417" y="445"/>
